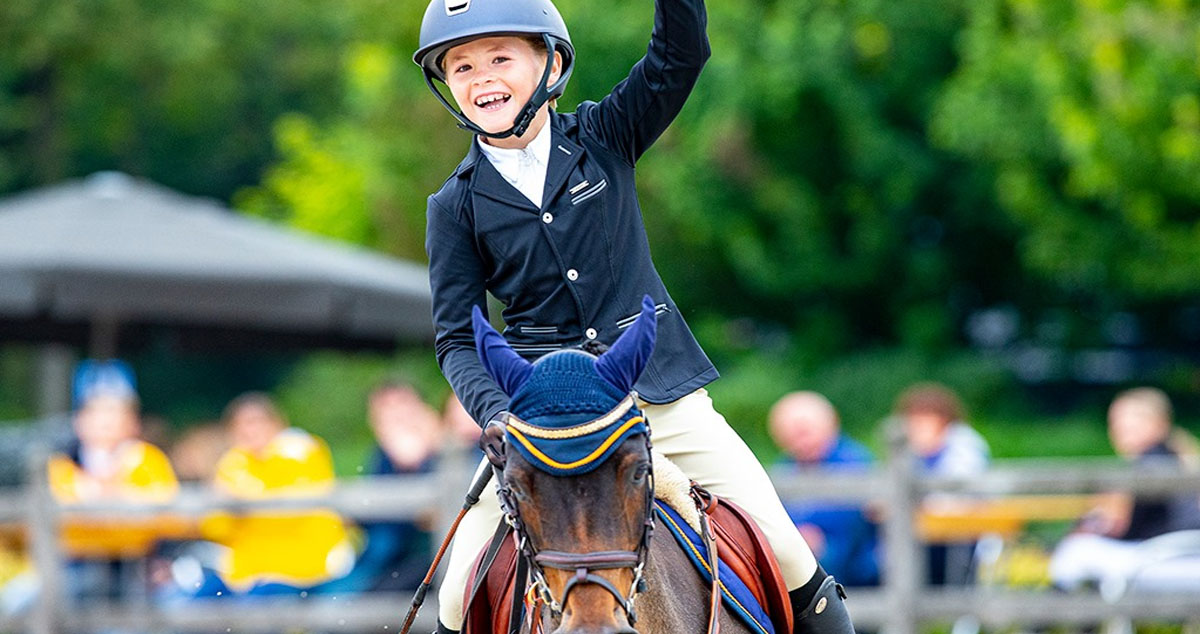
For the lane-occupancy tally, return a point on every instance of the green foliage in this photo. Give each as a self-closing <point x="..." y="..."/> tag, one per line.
<point x="180" y="92"/>
<point x="363" y="175"/>
<point x="1086" y="115"/>
<point x="17" y="383"/>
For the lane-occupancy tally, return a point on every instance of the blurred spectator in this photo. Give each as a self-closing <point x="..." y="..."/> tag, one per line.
<point x="280" y="552"/>
<point x="805" y="426"/>
<point x="107" y="462"/>
<point x="197" y="452"/>
<point x="1105" y="543"/>
<point x="397" y="554"/>
<point x="406" y="429"/>
<point x="944" y="444"/>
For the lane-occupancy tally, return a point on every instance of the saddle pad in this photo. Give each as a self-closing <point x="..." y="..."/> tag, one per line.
<point x="734" y="593"/>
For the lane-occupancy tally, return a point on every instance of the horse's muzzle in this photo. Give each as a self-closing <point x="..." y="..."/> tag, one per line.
<point x="593" y="611"/>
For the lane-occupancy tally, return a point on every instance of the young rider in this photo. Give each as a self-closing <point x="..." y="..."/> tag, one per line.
<point x="543" y="213"/>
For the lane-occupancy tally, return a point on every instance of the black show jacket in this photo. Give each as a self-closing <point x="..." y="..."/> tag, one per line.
<point x="577" y="268"/>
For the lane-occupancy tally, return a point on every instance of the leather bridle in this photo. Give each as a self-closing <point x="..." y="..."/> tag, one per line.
<point x="583" y="564"/>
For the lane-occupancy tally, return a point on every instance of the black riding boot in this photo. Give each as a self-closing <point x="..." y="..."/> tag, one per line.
<point x="818" y="607"/>
<point x="442" y="629"/>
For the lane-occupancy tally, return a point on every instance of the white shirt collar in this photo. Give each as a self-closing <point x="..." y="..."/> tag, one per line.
<point x="524" y="168"/>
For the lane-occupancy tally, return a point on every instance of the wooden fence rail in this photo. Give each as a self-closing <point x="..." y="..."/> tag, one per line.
<point x="900" y="606"/>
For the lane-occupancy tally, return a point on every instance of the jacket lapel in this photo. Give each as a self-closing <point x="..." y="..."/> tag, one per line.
<point x="489" y="183"/>
<point x="565" y="154"/>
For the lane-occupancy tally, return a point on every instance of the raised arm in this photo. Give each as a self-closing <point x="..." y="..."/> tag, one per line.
<point x="641" y="107"/>
<point x="456" y="278"/>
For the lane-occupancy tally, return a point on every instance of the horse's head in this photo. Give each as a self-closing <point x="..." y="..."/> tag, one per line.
<point x="578" y="474"/>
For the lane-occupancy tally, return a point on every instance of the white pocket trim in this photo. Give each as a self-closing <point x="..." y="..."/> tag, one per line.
<point x="626" y="322"/>
<point x="591" y="191"/>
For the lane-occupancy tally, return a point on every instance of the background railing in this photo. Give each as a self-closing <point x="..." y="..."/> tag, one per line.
<point x="895" y="490"/>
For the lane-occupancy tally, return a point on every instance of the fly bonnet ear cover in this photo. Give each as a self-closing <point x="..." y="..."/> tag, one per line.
<point x="569" y="409"/>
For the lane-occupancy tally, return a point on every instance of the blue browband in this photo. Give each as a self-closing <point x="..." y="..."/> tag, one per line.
<point x="578" y="448"/>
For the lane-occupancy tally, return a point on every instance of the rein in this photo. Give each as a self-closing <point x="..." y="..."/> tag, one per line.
<point x="582" y="564"/>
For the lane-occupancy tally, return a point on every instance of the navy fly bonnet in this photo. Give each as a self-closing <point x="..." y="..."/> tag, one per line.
<point x="570" y="410"/>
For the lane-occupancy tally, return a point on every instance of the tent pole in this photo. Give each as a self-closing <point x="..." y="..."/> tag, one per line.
<point x="102" y="342"/>
<point x="55" y="365"/>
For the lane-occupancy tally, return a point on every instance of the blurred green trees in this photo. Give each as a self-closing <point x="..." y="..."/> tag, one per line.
<point x="182" y="92"/>
<point x="1085" y="116"/>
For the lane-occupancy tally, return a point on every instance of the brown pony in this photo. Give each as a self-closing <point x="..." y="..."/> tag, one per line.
<point x="577" y="485"/>
<point x="603" y="515"/>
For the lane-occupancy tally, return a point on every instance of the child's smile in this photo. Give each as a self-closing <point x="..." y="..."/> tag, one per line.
<point x="492" y="101"/>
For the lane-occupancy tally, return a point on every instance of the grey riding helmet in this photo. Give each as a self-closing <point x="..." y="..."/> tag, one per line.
<point x="448" y="23"/>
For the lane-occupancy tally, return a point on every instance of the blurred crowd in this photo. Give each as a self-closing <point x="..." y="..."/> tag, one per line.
<point x="254" y="454"/>
<point x="1105" y="542"/>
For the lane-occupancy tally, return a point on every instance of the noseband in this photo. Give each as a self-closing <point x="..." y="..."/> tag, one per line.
<point x="582" y="564"/>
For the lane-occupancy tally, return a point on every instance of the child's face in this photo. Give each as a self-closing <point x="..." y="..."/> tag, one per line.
<point x="105" y="422"/>
<point x="252" y="428"/>
<point x="492" y="78"/>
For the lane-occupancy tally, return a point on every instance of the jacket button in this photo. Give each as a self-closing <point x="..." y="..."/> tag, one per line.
<point x="547" y="217"/>
<point x="591" y="333"/>
<point x="572" y="275"/>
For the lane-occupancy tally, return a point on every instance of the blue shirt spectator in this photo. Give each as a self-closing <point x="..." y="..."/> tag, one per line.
<point x="845" y="542"/>
<point x="408" y="433"/>
<point x="933" y="425"/>
<point x="397" y="554"/>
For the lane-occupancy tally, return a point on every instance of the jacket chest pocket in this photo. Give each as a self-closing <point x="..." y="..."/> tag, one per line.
<point x="628" y="320"/>
<point x="586" y="190"/>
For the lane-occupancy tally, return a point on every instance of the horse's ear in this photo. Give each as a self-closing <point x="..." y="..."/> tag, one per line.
<point x="499" y="359"/>
<point x="625" y="360"/>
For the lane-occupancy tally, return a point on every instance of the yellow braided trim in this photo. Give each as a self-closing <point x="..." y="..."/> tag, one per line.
<point x="572" y="432"/>
<point x="704" y="562"/>
<point x="582" y="461"/>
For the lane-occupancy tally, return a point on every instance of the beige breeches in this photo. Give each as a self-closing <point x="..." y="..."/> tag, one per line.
<point x="697" y="439"/>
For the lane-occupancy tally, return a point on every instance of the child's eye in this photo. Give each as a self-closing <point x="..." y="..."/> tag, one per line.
<point x="500" y="60"/>
<point x="462" y="68"/>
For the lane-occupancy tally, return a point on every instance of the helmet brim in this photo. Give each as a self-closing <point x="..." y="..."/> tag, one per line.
<point x="430" y="57"/>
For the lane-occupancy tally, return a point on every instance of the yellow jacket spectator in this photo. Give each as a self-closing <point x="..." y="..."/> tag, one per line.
<point x="134" y="470"/>
<point x="298" y="548"/>
<point x="107" y="462"/>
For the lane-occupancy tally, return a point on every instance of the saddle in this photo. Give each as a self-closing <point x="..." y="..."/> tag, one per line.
<point x="740" y="544"/>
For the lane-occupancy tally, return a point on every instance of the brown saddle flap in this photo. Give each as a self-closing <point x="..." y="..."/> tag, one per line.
<point x="742" y="547"/>
<point x="488" y="613"/>
<point x="740" y="544"/>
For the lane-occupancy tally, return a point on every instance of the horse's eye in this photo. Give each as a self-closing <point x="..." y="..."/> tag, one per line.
<point x="640" y="472"/>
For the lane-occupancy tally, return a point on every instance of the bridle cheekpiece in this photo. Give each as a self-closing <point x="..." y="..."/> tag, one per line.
<point x="607" y="433"/>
